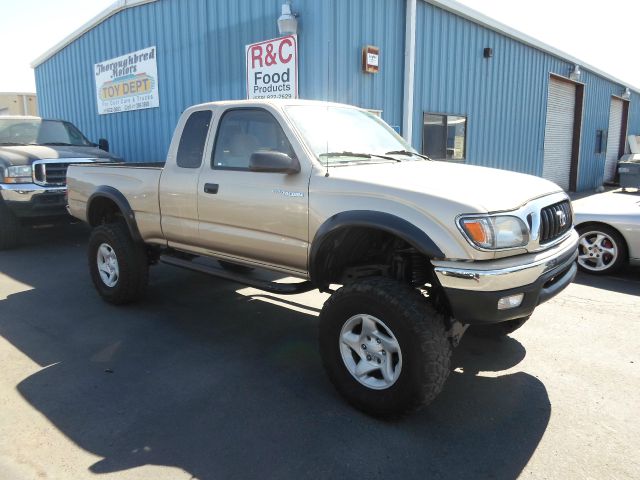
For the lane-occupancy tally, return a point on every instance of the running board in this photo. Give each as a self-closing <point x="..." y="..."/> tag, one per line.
<point x="272" y="287"/>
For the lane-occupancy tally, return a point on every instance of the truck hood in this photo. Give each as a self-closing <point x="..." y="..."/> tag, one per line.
<point x="486" y="189"/>
<point x="27" y="154"/>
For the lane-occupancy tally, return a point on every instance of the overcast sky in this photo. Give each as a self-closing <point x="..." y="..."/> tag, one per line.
<point x="601" y="33"/>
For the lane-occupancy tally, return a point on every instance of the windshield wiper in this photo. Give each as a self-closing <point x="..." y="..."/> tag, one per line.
<point x="407" y="153"/>
<point x="12" y="144"/>
<point x="59" y="144"/>
<point x="358" y="155"/>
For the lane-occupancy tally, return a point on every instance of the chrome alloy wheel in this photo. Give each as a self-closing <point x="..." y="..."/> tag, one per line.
<point x="598" y="251"/>
<point x="108" y="265"/>
<point x="370" y="351"/>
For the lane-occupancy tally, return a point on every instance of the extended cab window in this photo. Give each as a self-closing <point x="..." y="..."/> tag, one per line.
<point x="193" y="139"/>
<point x="243" y="132"/>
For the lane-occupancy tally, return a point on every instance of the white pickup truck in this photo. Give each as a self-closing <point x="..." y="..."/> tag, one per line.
<point x="330" y="194"/>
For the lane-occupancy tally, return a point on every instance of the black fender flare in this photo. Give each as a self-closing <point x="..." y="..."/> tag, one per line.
<point x="116" y="196"/>
<point x="372" y="219"/>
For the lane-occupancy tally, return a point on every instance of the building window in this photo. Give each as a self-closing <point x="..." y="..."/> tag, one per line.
<point x="444" y="136"/>
<point x="193" y="139"/>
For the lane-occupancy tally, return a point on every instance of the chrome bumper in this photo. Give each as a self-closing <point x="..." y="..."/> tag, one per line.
<point x="506" y="273"/>
<point x="25" y="192"/>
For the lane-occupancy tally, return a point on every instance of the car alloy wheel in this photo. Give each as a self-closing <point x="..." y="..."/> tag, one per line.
<point x="108" y="265"/>
<point x="370" y="351"/>
<point x="598" y="251"/>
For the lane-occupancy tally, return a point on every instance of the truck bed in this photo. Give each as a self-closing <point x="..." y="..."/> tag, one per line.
<point x="138" y="182"/>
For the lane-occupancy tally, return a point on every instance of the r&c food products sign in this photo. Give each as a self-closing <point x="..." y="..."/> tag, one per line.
<point x="129" y="82"/>
<point x="272" y="68"/>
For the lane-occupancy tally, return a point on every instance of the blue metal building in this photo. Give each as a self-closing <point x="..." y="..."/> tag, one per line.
<point x="458" y="84"/>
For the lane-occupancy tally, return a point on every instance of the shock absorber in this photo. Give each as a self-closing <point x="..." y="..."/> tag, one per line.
<point x="420" y="269"/>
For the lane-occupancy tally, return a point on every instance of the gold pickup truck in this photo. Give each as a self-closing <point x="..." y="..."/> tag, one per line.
<point x="330" y="194"/>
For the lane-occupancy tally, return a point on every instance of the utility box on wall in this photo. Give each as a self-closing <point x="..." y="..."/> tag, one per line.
<point x="370" y="59"/>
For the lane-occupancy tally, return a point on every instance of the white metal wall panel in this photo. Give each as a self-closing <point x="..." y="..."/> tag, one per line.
<point x="558" y="134"/>
<point x="613" y="139"/>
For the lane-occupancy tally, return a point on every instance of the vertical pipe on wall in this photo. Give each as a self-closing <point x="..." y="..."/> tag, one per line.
<point x="409" y="73"/>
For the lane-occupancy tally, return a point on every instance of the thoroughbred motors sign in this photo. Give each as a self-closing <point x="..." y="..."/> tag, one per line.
<point x="129" y="82"/>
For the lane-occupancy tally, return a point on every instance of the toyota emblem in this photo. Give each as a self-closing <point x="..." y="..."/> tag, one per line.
<point x="562" y="217"/>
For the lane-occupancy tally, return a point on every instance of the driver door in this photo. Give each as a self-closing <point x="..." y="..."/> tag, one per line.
<point x="257" y="216"/>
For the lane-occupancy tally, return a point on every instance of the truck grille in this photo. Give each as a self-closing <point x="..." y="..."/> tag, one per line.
<point x="555" y="221"/>
<point x="50" y="174"/>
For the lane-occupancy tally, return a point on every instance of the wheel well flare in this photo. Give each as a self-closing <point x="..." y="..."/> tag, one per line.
<point x="365" y="238"/>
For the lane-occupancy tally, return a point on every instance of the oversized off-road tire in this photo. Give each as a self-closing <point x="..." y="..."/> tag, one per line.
<point x="601" y="250"/>
<point x="119" y="266"/>
<point x="496" y="330"/>
<point x="235" y="267"/>
<point x="384" y="347"/>
<point x="9" y="228"/>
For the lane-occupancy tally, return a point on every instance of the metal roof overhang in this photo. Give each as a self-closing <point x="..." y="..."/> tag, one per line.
<point x="448" y="5"/>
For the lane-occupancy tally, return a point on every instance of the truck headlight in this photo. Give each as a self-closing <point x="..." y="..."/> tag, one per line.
<point x="494" y="233"/>
<point x="17" y="174"/>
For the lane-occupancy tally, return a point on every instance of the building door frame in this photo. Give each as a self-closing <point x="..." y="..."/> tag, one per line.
<point x="577" y="127"/>
<point x="624" y="127"/>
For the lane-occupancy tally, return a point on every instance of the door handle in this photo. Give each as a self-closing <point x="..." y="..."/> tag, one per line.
<point x="211" y="188"/>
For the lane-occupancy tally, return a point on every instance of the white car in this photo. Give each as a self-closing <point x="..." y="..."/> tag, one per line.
<point x="609" y="228"/>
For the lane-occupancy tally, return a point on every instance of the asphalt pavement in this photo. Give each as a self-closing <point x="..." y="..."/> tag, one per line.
<point x="210" y="380"/>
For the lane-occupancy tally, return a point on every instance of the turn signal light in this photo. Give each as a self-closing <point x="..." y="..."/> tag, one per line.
<point x="476" y="232"/>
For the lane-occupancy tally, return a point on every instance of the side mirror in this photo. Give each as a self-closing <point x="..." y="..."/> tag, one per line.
<point x="103" y="144"/>
<point x="273" y="162"/>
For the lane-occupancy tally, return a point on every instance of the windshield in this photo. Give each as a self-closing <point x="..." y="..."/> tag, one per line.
<point x="338" y="135"/>
<point x="35" y="131"/>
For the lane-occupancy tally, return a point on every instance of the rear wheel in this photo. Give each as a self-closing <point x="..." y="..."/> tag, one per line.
<point x="384" y="347"/>
<point x="498" y="329"/>
<point x="9" y="228"/>
<point x="601" y="250"/>
<point x="119" y="266"/>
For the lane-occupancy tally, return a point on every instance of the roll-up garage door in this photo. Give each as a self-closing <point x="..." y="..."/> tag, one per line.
<point x="613" y="139"/>
<point x="558" y="133"/>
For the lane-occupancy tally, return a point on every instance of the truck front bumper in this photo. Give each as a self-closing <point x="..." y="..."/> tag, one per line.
<point x="30" y="200"/>
<point x="475" y="289"/>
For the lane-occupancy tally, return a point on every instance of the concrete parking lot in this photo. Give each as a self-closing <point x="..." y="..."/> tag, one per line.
<point x="210" y="380"/>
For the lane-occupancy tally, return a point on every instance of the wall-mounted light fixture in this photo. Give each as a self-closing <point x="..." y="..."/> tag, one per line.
<point x="575" y="73"/>
<point x="627" y="94"/>
<point x="287" y="23"/>
<point x="488" y="52"/>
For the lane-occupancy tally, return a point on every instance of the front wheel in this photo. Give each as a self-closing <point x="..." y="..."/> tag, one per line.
<point x="601" y="249"/>
<point x="384" y="347"/>
<point x="119" y="266"/>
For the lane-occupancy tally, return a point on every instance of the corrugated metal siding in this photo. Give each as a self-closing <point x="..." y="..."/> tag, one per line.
<point x="595" y="116"/>
<point x="200" y="57"/>
<point x="504" y="97"/>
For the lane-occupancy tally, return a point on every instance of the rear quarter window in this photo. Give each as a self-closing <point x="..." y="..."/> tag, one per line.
<point x="193" y="139"/>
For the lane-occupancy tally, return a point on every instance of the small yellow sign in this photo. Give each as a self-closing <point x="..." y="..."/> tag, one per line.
<point x="126" y="86"/>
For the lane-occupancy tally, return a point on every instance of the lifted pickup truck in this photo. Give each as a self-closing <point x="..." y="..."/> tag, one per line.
<point x="34" y="156"/>
<point x="330" y="194"/>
